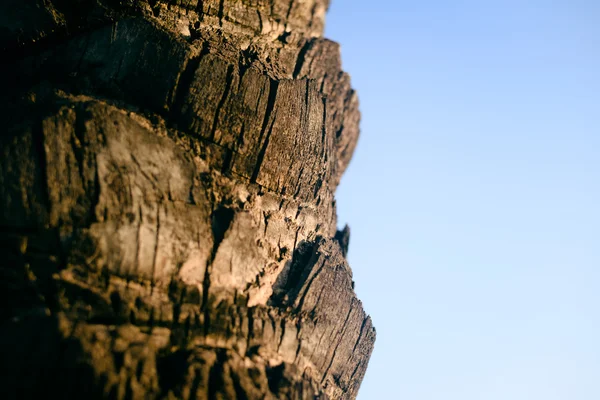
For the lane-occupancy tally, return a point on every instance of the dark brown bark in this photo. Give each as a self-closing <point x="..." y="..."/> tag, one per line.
<point x="168" y="224"/>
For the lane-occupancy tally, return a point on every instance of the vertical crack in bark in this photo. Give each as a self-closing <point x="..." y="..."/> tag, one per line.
<point x="294" y="249"/>
<point x="324" y="126"/>
<point x="260" y="21"/>
<point x="241" y="139"/>
<point x="220" y="12"/>
<point x="227" y="161"/>
<point x="184" y="83"/>
<point x="299" y="186"/>
<point x="282" y="326"/>
<point x="261" y="154"/>
<point x="266" y="217"/>
<point x="138" y="238"/>
<point x="200" y="10"/>
<point x="220" y="222"/>
<point x="301" y="58"/>
<point x="77" y="143"/>
<point x="156" y="247"/>
<point x="274" y="85"/>
<point x="250" y="330"/>
<point x="228" y="81"/>
<point x="95" y="197"/>
<point x="298" y="337"/>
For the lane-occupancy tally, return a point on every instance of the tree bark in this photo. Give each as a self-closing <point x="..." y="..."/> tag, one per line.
<point x="168" y="223"/>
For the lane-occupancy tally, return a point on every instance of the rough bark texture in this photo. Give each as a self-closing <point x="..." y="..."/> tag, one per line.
<point x="168" y="223"/>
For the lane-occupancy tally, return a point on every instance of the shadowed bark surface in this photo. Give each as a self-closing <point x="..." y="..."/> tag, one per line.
<point x="168" y="223"/>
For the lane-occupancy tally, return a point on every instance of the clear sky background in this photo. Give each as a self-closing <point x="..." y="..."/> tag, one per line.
<point x="474" y="195"/>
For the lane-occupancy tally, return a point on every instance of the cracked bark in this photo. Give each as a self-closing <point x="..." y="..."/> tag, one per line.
<point x="168" y="224"/>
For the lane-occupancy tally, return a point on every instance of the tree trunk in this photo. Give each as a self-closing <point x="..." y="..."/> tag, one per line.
<point x="168" y="223"/>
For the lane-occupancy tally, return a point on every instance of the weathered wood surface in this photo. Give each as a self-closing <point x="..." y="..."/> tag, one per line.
<point x="168" y="223"/>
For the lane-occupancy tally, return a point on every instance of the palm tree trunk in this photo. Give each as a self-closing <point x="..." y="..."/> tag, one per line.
<point x="168" y="223"/>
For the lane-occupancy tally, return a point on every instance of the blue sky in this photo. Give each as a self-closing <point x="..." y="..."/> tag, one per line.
<point x="474" y="195"/>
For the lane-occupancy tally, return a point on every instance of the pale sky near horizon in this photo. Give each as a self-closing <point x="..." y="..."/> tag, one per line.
<point x="474" y="195"/>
